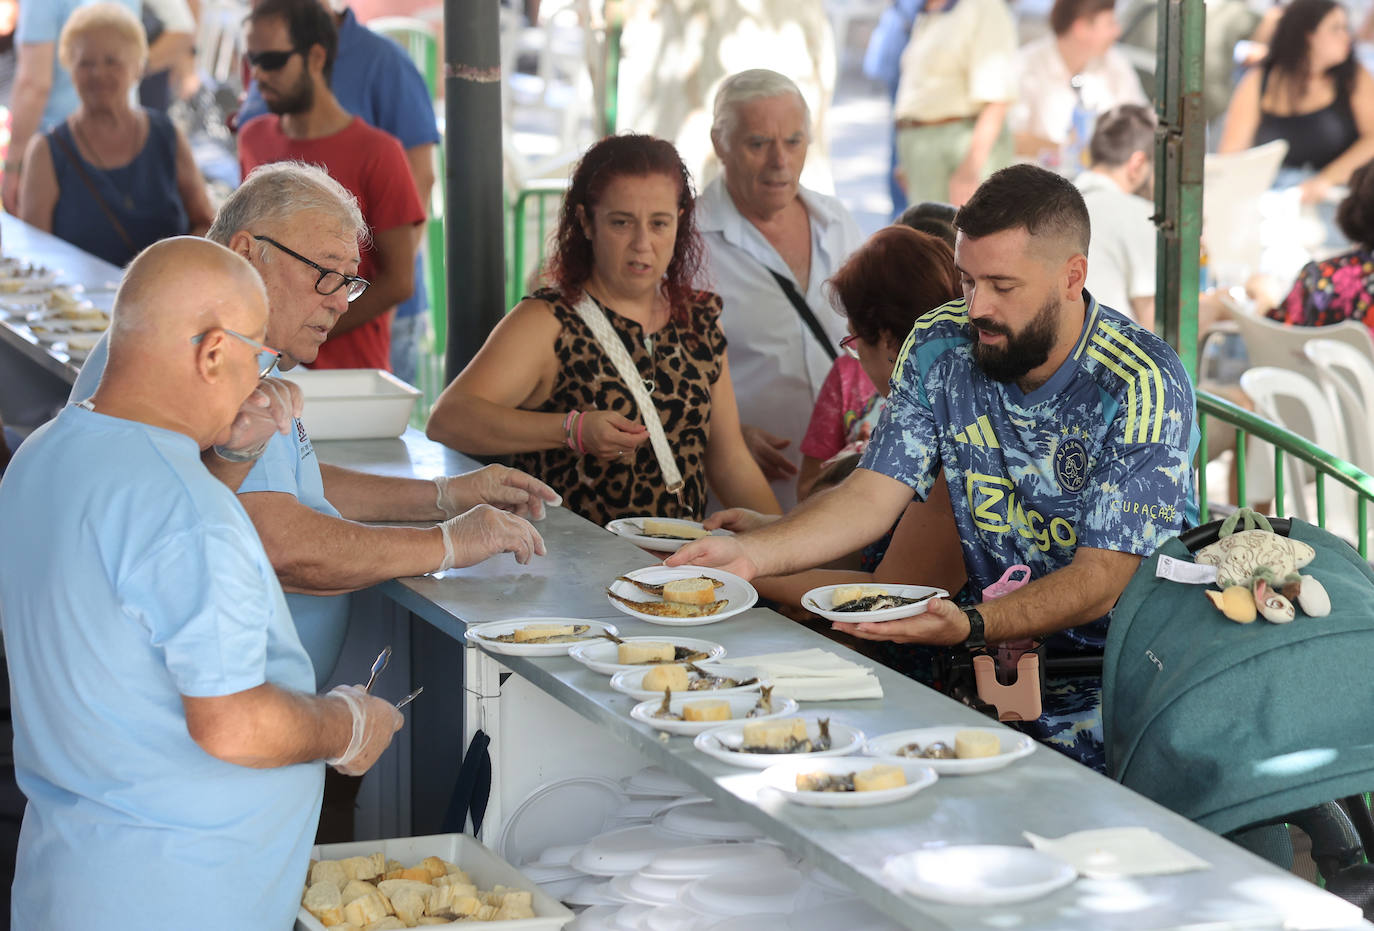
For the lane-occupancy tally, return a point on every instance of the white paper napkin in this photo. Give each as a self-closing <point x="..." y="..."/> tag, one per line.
<point x="814" y="675"/>
<point x="1115" y="853"/>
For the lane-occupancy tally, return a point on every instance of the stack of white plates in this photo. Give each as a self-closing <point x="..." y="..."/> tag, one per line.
<point x="767" y="890"/>
<point x="676" y="919"/>
<point x="653" y="782"/>
<point x="701" y="820"/>
<point x="553" y="823"/>
<point x="694" y="862"/>
<point x="596" y="918"/>
<point x="593" y="891"/>
<point x="622" y="851"/>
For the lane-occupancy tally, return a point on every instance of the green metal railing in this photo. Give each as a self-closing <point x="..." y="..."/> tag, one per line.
<point x="529" y="234"/>
<point x="1286" y="444"/>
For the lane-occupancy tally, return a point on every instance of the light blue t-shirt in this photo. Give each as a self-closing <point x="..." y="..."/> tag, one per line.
<point x="132" y="577"/>
<point x="1099" y="456"/>
<point x="288" y="465"/>
<point x="374" y="78"/>
<point x="42" y="22"/>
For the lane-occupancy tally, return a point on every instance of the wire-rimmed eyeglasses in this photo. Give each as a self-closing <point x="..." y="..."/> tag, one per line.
<point x="329" y="280"/>
<point x="261" y="348"/>
<point x="847" y="344"/>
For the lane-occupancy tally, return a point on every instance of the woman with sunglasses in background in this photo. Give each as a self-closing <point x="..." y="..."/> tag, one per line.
<point x="111" y="179"/>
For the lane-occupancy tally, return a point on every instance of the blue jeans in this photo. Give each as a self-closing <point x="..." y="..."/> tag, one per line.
<point x="406" y="333"/>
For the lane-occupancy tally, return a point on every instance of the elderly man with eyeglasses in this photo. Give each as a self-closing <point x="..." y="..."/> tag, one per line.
<point x="299" y="228"/>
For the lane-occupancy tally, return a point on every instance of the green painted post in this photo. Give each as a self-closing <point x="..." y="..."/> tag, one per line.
<point x="1179" y="145"/>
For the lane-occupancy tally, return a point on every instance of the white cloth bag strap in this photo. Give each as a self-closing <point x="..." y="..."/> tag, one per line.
<point x="625" y="367"/>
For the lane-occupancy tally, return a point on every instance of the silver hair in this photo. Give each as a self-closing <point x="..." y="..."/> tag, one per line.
<point x="746" y="86"/>
<point x="273" y="194"/>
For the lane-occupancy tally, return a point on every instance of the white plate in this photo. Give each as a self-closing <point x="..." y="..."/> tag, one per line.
<point x="783" y="777"/>
<point x="740" y="706"/>
<point x="819" y="601"/>
<point x="602" y="655"/>
<point x="556" y="819"/>
<point x="646" y="890"/>
<point x="632" y="529"/>
<point x="630" y="681"/>
<point x="978" y="874"/>
<point x="1014" y="747"/>
<point x="624" y="851"/>
<point x="746" y="892"/>
<point x="723" y="743"/>
<point x="739" y="593"/>
<point x="708" y="859"/>
<point x="653" y="782"/>
<point x="700" y="820"/>
<point x="483" y="635"/>
<point x="593" y="891"/>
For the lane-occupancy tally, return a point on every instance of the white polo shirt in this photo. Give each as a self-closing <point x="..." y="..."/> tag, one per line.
<point x="1046" y="99"/>
<point x="776" y="364"/>
<point x="1121" y="252"/>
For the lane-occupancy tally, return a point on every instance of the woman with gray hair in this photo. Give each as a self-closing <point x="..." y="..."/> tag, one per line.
<point x="111" y="179"/>
<point x="770" y="245"/>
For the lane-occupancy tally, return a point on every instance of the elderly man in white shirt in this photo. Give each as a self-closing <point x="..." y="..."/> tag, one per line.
<point x="1118" y="189"/>
<point x="1075" y="68"/>
<point x="770" y="246"/>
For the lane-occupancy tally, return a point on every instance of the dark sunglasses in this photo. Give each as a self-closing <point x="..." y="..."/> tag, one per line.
<point x="329" y="280"/>
<point x="271" y="61"/>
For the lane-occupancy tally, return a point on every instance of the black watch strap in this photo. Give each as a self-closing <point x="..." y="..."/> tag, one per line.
<point x="976" y="640"/>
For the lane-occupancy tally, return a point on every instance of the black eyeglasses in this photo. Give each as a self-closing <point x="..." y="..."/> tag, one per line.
<point x="847" y="344"/>
<point x="329" y="280"/>
<point x="271" y="61"/>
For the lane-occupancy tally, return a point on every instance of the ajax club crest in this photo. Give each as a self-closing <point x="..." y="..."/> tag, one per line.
<point x="1071" y="464"/>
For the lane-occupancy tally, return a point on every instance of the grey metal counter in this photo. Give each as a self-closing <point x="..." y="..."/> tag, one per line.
<point x="1045" y="793"/>
<point x="35" y="379"/>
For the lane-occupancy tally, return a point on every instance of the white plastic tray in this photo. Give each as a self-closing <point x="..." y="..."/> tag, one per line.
<point x="486" y="869"/>
<point x="354" y="404"/>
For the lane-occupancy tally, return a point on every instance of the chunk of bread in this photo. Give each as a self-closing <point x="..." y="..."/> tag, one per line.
<point x="435" y="866"/>
<point x="882" y="776"/>
<point x="646" y="651"/>
<point x="969" y="745"/>
<point x="511" y="911"/>
<point x="538" y="632"/>
<point x="390" y="887"/>
<point x="409" y="905"/>
<point x="329" y="871"/>
<point x="774" y="735"/>
<point x="363" y="867"/>
<point x="690" y="591"/>
<point x="706" y="711"/>
<point x="670" y="528"/>
<point x="416" y="873"/>
<point x="366" y="909"/>
<point x="323" y="901"/>
<point x="669" y="676"/>
<point x="389" y="923"/>
<point x="431" y="920"/>
<point x="360" y="887"/>
<point x="457" y="880"/>
<point x="486" y="913"/>
<point x="847" y="593"/>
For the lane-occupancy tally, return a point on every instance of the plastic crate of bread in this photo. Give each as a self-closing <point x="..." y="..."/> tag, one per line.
<point x="443" y="880"/>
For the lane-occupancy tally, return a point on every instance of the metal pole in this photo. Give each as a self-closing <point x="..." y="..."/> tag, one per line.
<point x="1179" y="145"/>
<point x="475" y="253"/>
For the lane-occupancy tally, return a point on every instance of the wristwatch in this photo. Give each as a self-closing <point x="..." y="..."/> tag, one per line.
<point x="976" y="640"/>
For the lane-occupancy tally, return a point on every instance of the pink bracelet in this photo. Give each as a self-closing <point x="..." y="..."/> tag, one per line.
<point x="567" y="428"/>
<point x="580" y="421"/>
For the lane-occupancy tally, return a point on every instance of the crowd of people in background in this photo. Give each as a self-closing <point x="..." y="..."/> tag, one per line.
<point x="717" y="353"/>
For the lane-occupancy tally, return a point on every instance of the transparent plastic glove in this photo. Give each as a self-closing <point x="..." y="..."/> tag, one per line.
<point x="483" y="532"/>
<point x="269" y="410"/>
<point x="374" y="721"/>
<point x="501" y="487"/>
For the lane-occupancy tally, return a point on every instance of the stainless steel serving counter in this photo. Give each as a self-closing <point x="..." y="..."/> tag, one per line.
<point x="1044" y="793"/>
<point x="35" y="379"/>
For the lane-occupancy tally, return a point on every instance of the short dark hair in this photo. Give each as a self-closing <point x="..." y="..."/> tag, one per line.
<point x="307" y="22"/>
<point x="1120" y="133"/>
<point x="931" y="217"/>
<point x="636" y="155"/>
<point x="1065" y="13"/>
<point x="1026" y="197"/>
<point x="896" y="276"/>
<point x="1355" y="215"/>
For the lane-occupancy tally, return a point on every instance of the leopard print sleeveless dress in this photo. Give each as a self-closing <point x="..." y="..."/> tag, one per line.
<point x="685" y="361"/>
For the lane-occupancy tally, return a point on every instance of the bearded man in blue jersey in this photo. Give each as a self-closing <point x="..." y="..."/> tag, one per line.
<point x="1065" y="431"/>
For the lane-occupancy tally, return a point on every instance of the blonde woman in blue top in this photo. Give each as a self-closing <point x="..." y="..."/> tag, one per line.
<point x="111" y="178"/>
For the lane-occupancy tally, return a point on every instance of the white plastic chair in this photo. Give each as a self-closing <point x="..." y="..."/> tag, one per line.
<point x="1346" y="376"/>
<point x="1295" y="403"/>
<point x="1231" y="215"/>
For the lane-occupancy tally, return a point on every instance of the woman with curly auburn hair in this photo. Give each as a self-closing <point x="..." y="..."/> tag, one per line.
<point x="563" y="382"/>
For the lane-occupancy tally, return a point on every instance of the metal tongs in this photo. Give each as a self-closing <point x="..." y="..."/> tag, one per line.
<point x="378" y="665"/>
